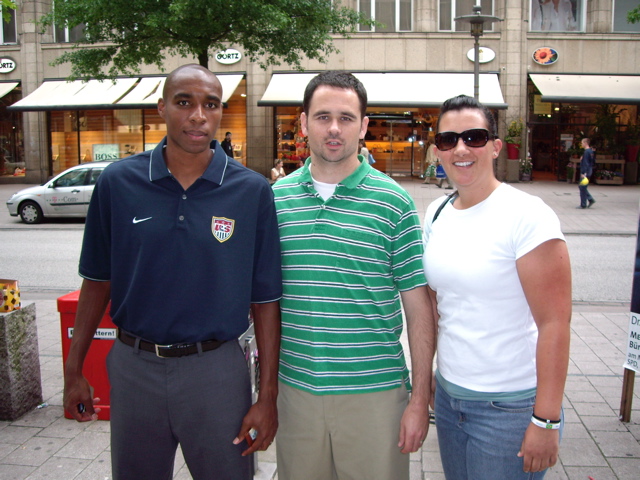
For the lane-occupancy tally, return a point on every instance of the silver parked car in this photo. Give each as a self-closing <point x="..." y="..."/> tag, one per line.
<point x="65" y="195"/>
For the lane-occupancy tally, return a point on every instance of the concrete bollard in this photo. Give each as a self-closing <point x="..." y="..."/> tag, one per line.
<point x="20" y="384"/>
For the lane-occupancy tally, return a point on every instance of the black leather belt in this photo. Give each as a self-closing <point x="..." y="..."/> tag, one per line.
<point x="168" y="351"/>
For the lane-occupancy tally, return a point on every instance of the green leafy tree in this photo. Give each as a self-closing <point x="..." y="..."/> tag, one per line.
<point x="634" y="15"/>
<point x="6" y="6"/>
<point x="120" y="35"/>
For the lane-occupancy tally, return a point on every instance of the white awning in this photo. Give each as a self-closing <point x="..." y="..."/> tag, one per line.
<point x="7" y="87"/>
<point x="147" y="92"/>
<point x="63" y="95"/>
<point x="393" y="89"/>
<point x="613" y="89"/>
<point x="94" y="94"/>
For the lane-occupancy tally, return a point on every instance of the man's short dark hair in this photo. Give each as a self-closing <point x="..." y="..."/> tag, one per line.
<point x="336" y="79"/>
<point x="464" y="102"/>
<point x="228" y="133"/>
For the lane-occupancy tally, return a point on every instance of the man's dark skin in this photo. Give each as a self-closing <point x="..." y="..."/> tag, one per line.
<point x="192" y="108"/>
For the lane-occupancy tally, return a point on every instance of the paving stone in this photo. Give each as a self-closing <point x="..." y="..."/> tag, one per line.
<point x="42" y="417"/>
<point x="617" y="444"/>
<point x="583" y="473"/>
<point x="6" y="449"/>
<point x="602" y="409"/>
<point x="63" y="428"/>
<point x="86" y="445"/>
<point x="556" y="473"/>
<point x="626" y="468"/>
<point x="17" y="435"/>
<point x="580" y="452"/>
<point x="15" y="472"/>
<point x="98" y="469"/>
<point x="598" y="423"/>
<point x="35" y="452"/>
<point x="575" y="430"/>
<point x="59" y="469"/>
<point x="586" y="397"/>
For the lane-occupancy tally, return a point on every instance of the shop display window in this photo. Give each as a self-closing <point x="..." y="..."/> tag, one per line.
<point x="98" y="135"/>
<point x="397" y="140"/>
<point x="11" y="138"/>
<point x="291" y="145"/>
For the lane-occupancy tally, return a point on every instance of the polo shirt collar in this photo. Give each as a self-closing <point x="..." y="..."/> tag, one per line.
<point x="214" y="173"/>
<point x="352" y="181"/>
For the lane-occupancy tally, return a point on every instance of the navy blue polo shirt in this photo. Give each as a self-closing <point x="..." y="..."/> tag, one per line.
<point x="184" y="266"/>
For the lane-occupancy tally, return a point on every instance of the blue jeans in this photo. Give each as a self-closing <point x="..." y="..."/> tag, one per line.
<point x="585" y="196"/>
<point x="480" y="440"/>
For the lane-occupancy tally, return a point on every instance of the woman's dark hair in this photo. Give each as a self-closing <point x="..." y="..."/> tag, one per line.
<point x="337" y="79"/>
<point x="464" y="102"/>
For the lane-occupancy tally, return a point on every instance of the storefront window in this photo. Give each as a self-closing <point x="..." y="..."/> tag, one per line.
<point x="11" y="139"/>
<point x="234" y="120"/>
<point x="557" y="15"/>
<point x="98" y="135"/>
<point x="398" y="140"/>
<point x="620" y="10"/>
<point x="396" y="15"/>
<point x="557" y="129"/>
<point x="450" y="9"/>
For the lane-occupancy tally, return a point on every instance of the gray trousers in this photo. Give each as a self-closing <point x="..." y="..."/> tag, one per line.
<point x="197" y="401"/>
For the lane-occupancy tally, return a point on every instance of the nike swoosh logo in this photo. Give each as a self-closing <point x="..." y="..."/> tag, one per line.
<point x="135" y="220"/>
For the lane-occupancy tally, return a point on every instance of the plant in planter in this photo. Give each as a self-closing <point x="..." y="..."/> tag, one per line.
<point x="526" y="167"/>
<point x="632" y="142"/>
<point x="514" y="132"/>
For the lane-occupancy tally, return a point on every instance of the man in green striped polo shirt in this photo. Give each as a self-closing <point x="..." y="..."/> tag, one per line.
<point x="351" y="249"/>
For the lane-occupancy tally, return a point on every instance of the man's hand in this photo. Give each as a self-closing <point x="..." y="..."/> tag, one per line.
<point x="539" y="448"/>
<point x="414" y="427"/>
<point x="263" y="418"/>
<point x="77" y="399"/>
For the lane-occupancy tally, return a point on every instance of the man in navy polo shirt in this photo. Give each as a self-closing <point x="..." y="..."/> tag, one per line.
<point x="183" y="241"/>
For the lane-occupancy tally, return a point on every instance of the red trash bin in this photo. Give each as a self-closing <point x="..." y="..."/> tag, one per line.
<point x="95" y="368"/>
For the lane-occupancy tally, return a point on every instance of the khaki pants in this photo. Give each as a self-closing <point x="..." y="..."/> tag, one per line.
<point x="345" y="437"/>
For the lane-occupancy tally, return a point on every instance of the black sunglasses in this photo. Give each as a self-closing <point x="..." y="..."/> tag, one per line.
<point x="475" y="137"/>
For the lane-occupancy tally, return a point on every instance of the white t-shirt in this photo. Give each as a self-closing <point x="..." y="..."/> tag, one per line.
<point x="486" y="333"/>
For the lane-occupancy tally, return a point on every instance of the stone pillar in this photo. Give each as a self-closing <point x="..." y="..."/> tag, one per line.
<point x="20" y="385"/>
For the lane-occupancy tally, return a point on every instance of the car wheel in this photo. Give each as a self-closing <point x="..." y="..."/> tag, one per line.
<point x="30" y="212"/>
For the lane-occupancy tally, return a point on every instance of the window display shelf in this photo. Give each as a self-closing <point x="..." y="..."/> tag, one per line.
<point x="609" y="171"/>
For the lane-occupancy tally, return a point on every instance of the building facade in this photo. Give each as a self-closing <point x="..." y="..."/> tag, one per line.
<point x="566" y="68"/>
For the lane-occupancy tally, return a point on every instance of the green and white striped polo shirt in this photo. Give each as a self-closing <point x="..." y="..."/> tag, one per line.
<point x="344" y="262"/>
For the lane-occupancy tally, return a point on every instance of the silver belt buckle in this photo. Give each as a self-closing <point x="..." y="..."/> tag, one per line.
<point x="158" y="347"/>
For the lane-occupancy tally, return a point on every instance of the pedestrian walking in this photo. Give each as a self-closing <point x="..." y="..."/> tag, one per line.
<point x="587" y="164"/>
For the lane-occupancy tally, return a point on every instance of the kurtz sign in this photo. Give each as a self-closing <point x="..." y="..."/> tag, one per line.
<point x="229" y="56"/>
<point x="7" y="65"/>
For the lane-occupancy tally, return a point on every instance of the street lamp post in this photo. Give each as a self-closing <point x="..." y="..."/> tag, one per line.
<point x="477" y="21"/>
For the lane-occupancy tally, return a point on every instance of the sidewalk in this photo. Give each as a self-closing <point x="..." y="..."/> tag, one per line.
<point x="43" y="444"/>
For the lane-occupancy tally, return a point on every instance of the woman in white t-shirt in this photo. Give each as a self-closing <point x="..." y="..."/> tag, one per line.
<point x="277" y="172"/>
<point x="498" y="271"/>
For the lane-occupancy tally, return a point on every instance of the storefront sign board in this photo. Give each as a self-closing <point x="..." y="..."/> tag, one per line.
<point x="229" y="56"/>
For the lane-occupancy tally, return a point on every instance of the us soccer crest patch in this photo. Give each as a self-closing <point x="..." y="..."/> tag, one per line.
<point x="222" y="228"/>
